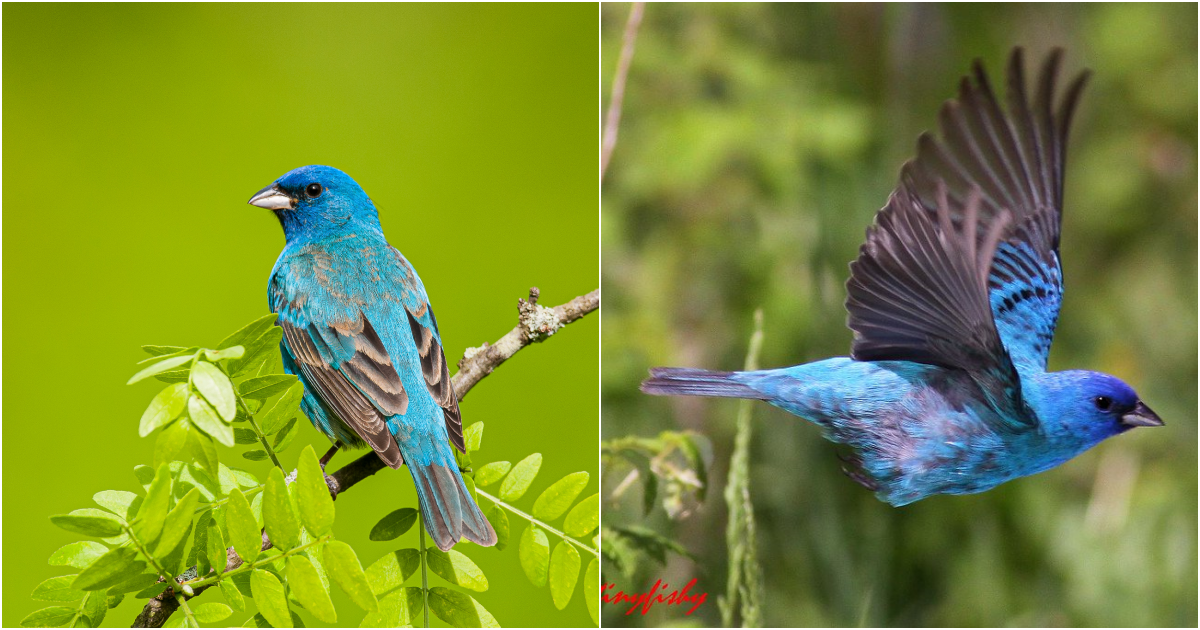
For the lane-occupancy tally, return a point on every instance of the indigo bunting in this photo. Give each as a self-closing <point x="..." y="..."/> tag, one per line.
<point x="953" y="301"/>
<point x="360" y="334"/>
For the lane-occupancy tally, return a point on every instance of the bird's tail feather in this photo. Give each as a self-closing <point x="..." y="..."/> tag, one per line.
<point x="447" y="508"/>
<point x="694" y="382"/>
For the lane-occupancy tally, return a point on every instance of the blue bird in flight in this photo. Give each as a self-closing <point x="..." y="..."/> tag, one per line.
<point x="953" y="301"/>
<point x="359" y="333"/>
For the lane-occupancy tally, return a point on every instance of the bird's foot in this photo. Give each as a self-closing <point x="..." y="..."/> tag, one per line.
<point x="852" y="468"/>
<point x="329" y="455"/>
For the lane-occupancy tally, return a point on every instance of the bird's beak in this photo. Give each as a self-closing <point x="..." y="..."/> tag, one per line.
<point x="272" y="198"/>
<point x="1141" y="416"/>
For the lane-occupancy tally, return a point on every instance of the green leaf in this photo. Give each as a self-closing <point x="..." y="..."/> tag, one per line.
<point x="316" y="506"/>
<point x="273" y="419"/>
<point x="264" y="387"/>
<point x="232" y="352"/>
<point x="161" y="366"/>
<point x="584" y="517"/>
<point x="214" y="548"/>
<point x="57" y="589"/>
<point x="395" y="611"/>
<point x="517" y="482"/>
<point x="171" y="442"/>
<point x="242" y="527"/>
<point x="176" y="525"/>
<point x="53" y="617"/>
<point x="457" y="569"/>
<point x="155" y="507"/>
<point x="261" y="350"/>
<point x="459" y="609"/>
<point x="249" y="332"/>
<point x="269" y="597"/>
<point x="244" y="436"/>
<point x="206" y="420"/>
<point x="205" y="452"/>
<point x="390" y="571"/>
<point x="255" y="456"/>
<point x="472" y="436"/>
<point x="307" y="587"/>
<point x="115" y="600"/>
<point x="489" y="474"/>
<point x="136" y="583"/>
<point x="232" y="595"/>
<point x="158" y="351"/>
<point x="534" y="554"/>
<point x="193" y="476"/>
<point x="212" y="383"/>
<point x="179" y="375"/>
<point x="284" y="437"/>
<point x="347" y="573"/>
<point x="283" y="528"/>
<point x="591" y="589"/>
<point x="111" y="569"/>
<point x="555" y="500"/>
<point x="165" y="407"/>
<point x="119" y="502"/>
<point x="95" y="607"/>
<point x="213" y="612"/>
<point x="499" y="520"/>
<point x="394" y="525"/>
<point x="77" y="555"/>
<point x="564" y="573"/>
<point x="98" y="526"/>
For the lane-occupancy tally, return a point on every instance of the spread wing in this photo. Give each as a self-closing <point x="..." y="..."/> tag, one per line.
<point x="1016" y="160"/>
<point x="346" y="362"/>
<point x="918" y="292"/>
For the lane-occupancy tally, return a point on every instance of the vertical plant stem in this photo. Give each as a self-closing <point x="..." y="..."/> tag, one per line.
<point x="612" y="120"/>
<point x="743" y="590"/>
<point x="424" y="575"/>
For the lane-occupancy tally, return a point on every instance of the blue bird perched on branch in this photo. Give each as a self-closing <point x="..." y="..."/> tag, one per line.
<point x="953" y="301"/>
<point x="359" y="333"/>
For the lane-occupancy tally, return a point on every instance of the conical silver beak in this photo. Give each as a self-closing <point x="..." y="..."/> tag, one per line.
<point x="1141" y="416"/>
<point x="272" y="198"/>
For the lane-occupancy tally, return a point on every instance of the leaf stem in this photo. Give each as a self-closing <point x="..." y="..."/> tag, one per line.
<point x="153" y="561"/>
<point x="531" y="519"/>
<point x="424" y="575"/>
<point x="262" y="439"/>
<point x="187" y="610"/>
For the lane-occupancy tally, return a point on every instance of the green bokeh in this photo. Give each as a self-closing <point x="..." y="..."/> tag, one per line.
<point x="757" y="142"/>
<point x="134" y="135"/>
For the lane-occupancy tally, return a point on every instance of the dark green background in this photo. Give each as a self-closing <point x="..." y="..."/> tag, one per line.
<point x="757" y="143"/>
<point x="134" y="135"/>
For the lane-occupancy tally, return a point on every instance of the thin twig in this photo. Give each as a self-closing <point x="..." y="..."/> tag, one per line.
<point x="535" y="323"/>
<point x="613" y="119"/>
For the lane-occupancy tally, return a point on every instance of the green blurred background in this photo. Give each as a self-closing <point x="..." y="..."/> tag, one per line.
<point x="756" y="145"/>
<point x="134" y="134"/>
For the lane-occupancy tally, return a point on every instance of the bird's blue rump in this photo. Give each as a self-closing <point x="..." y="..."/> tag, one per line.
<point x="359" y="332"/>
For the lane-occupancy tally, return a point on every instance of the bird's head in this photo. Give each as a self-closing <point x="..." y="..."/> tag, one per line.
<point x="1092" y="406"/>
<point x="313" y="201"/>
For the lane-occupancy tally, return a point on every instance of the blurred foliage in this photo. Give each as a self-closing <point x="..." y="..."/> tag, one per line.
<point x="756" y="144"/>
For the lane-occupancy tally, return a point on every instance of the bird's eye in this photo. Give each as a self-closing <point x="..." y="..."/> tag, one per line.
<point x="313" y="190"/>
<point x="1103" y="403"/>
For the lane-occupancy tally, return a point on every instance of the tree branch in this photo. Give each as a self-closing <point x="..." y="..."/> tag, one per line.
<point x="535" y="323"/>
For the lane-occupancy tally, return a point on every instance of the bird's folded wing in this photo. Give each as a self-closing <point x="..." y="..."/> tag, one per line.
<point x="1015" y="159"/>
<point x="348" y="365"/>
<point x="436" y="373"/>
<point x="918" y="292"/>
